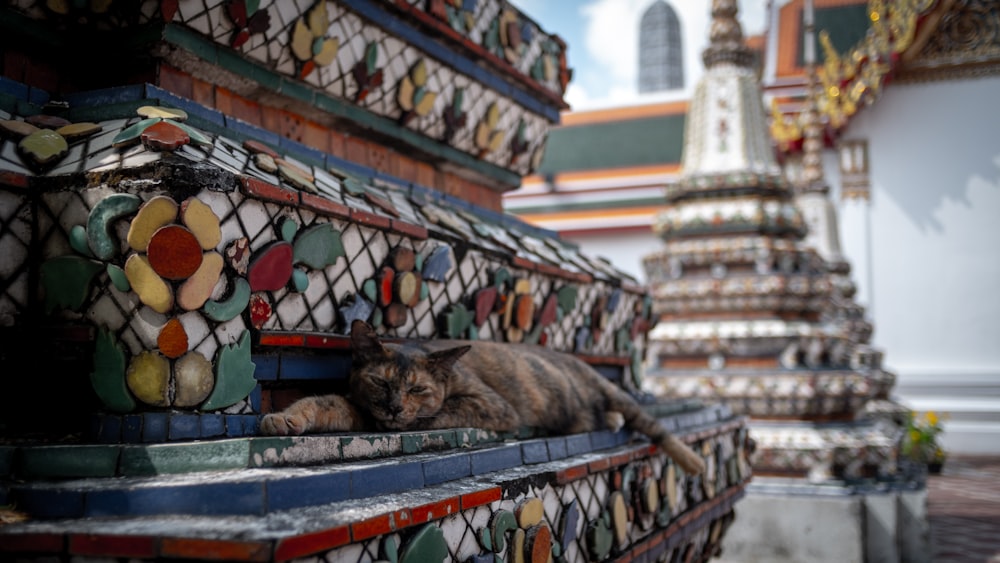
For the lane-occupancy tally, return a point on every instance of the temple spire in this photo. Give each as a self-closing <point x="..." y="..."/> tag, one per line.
<point x="726" y="37"/>
<point x="727" y="145"/>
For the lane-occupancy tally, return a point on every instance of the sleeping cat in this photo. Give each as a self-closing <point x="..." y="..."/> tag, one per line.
<point x="446" y="384"/>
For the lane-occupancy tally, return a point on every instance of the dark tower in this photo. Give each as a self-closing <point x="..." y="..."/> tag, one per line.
<point x="661" y="57"/>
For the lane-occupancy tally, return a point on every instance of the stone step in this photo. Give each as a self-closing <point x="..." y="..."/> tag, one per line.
<point x="462" y="509"/>
<point x="265" y="474"/>
<point x="311" y="500"/>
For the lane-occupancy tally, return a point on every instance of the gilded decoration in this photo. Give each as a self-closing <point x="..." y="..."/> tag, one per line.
<point x="852" y="80"/>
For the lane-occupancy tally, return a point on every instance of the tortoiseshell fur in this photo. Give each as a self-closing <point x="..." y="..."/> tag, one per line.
<point x="451" y="384"/>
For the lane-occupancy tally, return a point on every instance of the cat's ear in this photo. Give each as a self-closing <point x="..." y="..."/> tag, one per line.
<point x="365" y="344"/>
<point x="443" y="360"/>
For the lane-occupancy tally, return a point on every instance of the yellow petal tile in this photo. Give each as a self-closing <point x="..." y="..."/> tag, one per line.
<point x="155" y="213"/>
<point x="426" y="104"/>
<point x="404" y="96"/>
<point x="318" y="21"/>
<point x="196" y="290"/>
<point x="529" y="512"/>
<point x="202" y="221"/>
<point x="302" y="41"/>
<point x="328" y="52"/>
<point x="77" y="130"/>
<point x="152" y="290"/>
<point x="159" y="111"/>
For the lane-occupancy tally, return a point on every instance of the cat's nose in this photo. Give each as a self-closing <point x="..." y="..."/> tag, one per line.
<point x="395" y="409"/>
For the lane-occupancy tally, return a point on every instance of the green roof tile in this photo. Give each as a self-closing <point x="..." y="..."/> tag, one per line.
<point x="614" y="144"/>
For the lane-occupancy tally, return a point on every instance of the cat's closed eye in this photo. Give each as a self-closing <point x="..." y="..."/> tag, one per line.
<point x="417" y="390"/>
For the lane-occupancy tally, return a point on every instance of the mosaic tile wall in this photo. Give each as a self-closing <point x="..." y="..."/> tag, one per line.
<point x="372" y="55"/>
<point x="177" y="245"/>
<point x="600" y="515"/>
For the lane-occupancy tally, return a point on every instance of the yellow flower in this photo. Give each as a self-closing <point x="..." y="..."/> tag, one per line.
<point x="932" y="418"/>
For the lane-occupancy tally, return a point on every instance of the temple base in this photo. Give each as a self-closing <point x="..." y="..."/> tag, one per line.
<point x="784" y="520"/>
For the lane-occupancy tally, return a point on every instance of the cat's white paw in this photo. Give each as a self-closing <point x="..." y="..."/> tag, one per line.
<point x="281" y="424"/>
<point x="614" y="420"/>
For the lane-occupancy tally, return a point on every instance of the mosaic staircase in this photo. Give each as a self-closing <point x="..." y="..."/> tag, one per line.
<point x="465" y="494"/>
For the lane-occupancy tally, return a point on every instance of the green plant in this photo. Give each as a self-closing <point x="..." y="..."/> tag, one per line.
<point x="921" y="440"/>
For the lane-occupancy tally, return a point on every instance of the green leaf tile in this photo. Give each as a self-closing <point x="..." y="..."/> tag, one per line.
<point x="318" y="246"/>
<point x="232" y="306"/>
<point x="66" y="281"/>
<point x="108" y="377"/>
<point x="233" y="375"/>
<point x="428" y="545"/>
<point x="130" y="135"/>
<point x="108" y="210"/>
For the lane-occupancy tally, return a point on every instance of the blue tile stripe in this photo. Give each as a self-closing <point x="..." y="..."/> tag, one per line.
<point x="159" y="427"/>
<point x="285" y="489"/>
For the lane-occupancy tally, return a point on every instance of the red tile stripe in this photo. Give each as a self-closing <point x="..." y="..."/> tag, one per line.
<point x="315" y="542"/>
<point x="112" y="546"/>
<point x="325" y="206"/>
<point x="13" y="179"/>
<point x="479" y="498"/>
<point x="282" y="339"/>
<point x="320" y="340"/>
<point x="262" y="190"/>
<point x="44" y="543"/>
<point x="435" y="511"/>
<point x="380" y="525"/>
<point x="409" y="229"/>
<point x="215" y="550"/>
<point x="370" y="219"/>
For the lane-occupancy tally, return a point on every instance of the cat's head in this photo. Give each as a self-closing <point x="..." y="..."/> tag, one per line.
<point x="396" y="385"/>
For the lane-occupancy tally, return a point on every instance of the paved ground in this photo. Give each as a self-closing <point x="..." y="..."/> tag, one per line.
<point x="963" y="506"/>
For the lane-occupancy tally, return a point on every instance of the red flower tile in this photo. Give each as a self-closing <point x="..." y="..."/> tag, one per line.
<point x="164" y="136"/>
<point x="260" y="310"/>
<point x="174" y="252"/>
<point x="173" y="340"/>
<point x="271" y="269"/>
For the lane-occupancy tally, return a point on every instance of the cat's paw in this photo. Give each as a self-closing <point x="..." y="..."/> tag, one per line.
<point x="614" y="420"/>
<point x="282" y="424"/>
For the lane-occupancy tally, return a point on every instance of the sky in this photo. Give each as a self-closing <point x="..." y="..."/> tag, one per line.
<point x="603" y="44"/>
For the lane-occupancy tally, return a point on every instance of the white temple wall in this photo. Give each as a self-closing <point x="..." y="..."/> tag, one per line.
<point x="624" y="250"/>
<point x="925" y="249"/>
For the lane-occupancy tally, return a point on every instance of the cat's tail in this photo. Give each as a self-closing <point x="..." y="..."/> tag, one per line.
<point x="639" y="420"/>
